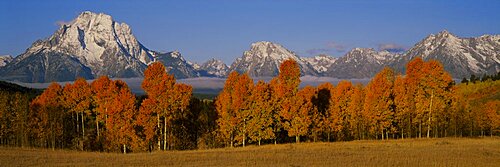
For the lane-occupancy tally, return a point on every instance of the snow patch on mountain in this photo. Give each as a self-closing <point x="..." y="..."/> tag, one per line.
<point x="5" y="59"/>
<point x="320" y="63"/>
<point x="215" y="67"/>
<point x="264" y="59"/>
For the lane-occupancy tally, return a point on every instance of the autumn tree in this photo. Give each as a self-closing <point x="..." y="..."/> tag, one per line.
<point x="241" y="103"/>
<point x="491" y="118"/>
<point x="120" y="119"/>
<point x="47" y="115"/>
<point x="322" y="100"/>
<point x="164" y="101"/>
<point x="379" y="102"/>
<point x="6" y="118"/>
<point x="339" y="114"/>
<point x="275" y="101"/>
<point x="103" y="92"/>
<point x="261" y="108"/>
<point x="285" y="90"/>
<point x="431" y="87"/>
<point x="226" y="109"/>
<point x="404" y="105"/>
<point x="78" y="100"/>
<point x="299" y="117"/>
<point x="181" y="96"/>
<point x="357" y="121"/>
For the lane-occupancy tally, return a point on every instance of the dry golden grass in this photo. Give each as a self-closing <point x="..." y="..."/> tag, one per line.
<point x="413" y="152"/>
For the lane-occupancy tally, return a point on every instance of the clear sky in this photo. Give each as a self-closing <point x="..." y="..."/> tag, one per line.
<point x="223" y="29"/>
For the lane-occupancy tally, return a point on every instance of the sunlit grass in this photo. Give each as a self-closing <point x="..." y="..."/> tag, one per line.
<point x="409" y="152"/>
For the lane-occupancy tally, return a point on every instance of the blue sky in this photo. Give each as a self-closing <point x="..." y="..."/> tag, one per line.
<point x="223" y="29"/>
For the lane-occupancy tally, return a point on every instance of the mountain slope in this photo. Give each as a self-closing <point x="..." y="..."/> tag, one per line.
<point x="360" y="63"/>
<point x="5" y="59"/>
<point x="176" y="64"/>
<point x="214" y="67"/>
<point x="90" y="46"/>
<point x="461" y="57"/>
<point x="320" y="63"/>
<point x="264" y="58"/>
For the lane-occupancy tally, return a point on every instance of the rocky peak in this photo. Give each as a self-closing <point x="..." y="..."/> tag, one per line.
<point x="264" y="59"/>
<point x="214" y="62"/>
<point x="265" y="49"/>
<point x="5" y="59"/>
<point x="93" y="43"/>
<point x="215" y="67"/>
<point x="320" y="62"/>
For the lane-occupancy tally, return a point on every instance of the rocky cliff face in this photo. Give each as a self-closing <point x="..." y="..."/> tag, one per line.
<point x="461" y="57"/>
<point x="94" y="44"/>
<point x="264" y="59"/>
<point x="176" y="65"/>
<point x="320" y="63"/>
<point x="5" y="59"/>
<point x="214" y="67"/>
<point x="360" y="63"/>
<point x="91" y="45"/>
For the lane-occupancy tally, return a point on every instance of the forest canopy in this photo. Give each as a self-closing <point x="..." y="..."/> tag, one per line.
<point x="105" y="115"/>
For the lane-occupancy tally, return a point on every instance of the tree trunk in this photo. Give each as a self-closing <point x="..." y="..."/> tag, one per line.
<point x="165" y="134"/>
<point x="420" y="129"/>
<point x="259" y="142"/>
<point x="159" y="129"/>
<point x="402" y="133"/>
<point x="297" y="139"/>
<point x="97" y="126"/>
<point x="382" y="134"/>
<point x="83" y="132"/>
<point x="430" y="116"/>
<point x="244" y="131"/>
<point x="124" y="149"/>
<point x="232" y="139"/>
<point x="77" y="124"/>
<point x="244" y="137"/>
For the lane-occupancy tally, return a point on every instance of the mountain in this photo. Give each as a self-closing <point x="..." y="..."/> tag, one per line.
<point x="176" y="64"/>
<point x="320" y="63"/>
<point x="461" y="57"/>
<point x="90" y="46"/>
<point x="360" y="63"/>
<point x="93" y="44"/>
<point x="214" y="67"/>
<point x="5" y="59"/>
<point x="264" y="58"/>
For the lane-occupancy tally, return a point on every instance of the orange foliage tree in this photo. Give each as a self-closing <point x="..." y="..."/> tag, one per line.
<point x="300" y="114"/>
<point x="322" y="101"/>
<point x="163" y="101"/>
<point x="104" y="92"/>
<point x="357" y="121"/>
<point x="339" y="115"/>
<point x="241" y="103"/>
<point x="431" y="88"/>
<point x="120" y="120"/>
<point x="285" y="90"/>
<point x="261" y="108"/>
<point x="78" y="99"/>
<point x="46" y="116"/>
<point x="226" y="110"/>
<point x="379" y="102"/>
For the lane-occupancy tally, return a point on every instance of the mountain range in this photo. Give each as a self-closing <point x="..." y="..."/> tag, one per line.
<point x="94" y="44"/>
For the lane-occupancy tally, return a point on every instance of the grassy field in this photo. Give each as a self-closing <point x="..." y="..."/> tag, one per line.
<point x="413" y="152"/>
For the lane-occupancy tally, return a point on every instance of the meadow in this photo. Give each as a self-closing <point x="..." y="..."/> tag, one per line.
<point x="407" y="152"/>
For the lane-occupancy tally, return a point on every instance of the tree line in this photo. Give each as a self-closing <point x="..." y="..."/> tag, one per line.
<point x="425" y="102"/>
<point x="105" y="115"/>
